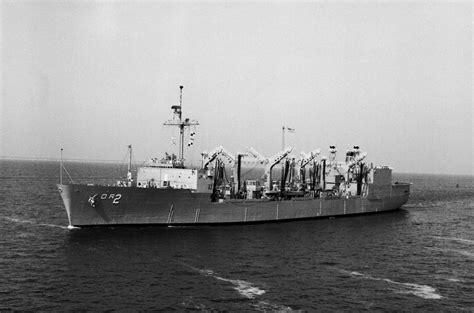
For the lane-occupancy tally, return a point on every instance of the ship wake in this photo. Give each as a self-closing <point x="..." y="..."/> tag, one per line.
<point x="246" y="289"/>
<point x="33" y="223"/>
<point x="422" y="291"/>
<point x="462" y="240"/>
<point x="461" y="252"/>
<point x="243" y="287"/>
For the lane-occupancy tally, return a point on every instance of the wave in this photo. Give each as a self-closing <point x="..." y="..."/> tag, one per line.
<point x="16" y="220"/>
<point x="422" y="291"/>
<point x="246" y="289"/>
<point x="191" y="304"/>
<point x="455" y="280"/>
<point x="461" y="252"/>
<point x="272" y="307"/>
<point x="449" y="278"/>
<point x="455" y="239"/>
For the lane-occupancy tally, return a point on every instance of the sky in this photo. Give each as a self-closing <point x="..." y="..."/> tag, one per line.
<point x="92" y="77"/>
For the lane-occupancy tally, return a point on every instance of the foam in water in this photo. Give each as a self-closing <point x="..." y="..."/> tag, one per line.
<point x="272" y="307"/>
<point x="16" y="220"/>
<point x="451" y="279"/>
<point x="246" y="289"/>
<point x="422" y="291"/>
<point x="243" y="287"/>
<point x="206" y="272"/>
<point x="191" y="304"/>
<point x="455" y="239"/>
<point x="454" y="280"/>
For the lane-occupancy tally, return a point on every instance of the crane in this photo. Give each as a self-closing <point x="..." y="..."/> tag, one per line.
<point x="272" y="161"/>
<point x="308" y="157"/>
<point x="216" y="152"/>
<point x="255" y="154"/>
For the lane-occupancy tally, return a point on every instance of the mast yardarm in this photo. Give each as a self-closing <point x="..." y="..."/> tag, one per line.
<point x="181" y="123"/>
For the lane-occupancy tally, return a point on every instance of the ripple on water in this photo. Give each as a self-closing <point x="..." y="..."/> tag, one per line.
<point x="418" y="258"/>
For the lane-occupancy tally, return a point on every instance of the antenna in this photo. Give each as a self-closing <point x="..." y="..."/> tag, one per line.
<point x="129" y="158"/>
<point x="61" y="168"/>
<point x="181" y="99"/>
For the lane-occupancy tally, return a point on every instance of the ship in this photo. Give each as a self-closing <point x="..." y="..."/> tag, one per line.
<point x="234" y="189"/>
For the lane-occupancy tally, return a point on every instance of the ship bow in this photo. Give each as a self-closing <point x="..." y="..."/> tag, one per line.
<point x="65" y="192"/>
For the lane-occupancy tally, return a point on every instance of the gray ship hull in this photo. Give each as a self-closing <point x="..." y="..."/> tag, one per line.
<point x="91" y="205"/>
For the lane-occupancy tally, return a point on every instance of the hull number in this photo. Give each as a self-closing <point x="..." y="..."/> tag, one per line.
<point x="114" y="197"/>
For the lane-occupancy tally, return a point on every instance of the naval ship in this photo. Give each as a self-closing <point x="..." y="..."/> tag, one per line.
<point x="235" y="189"/>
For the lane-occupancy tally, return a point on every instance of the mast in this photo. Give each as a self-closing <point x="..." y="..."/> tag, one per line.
<point x="129" y="158"/>
<point x="61" y="168"/>
<point x="129" y="170"/>
<point x="283" y="129"/>
<point x="181" y="128"/>
<point x="181" y="124"/>
<point x="283" y="138"/>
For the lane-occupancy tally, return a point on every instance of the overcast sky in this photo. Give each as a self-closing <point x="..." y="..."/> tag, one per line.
<point x="92" y="77"/>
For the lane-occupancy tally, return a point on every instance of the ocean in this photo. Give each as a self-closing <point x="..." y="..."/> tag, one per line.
<point x="419" y="258"/>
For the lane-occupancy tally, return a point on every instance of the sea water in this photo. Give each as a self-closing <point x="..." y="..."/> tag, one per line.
<point x="418" y="258"/>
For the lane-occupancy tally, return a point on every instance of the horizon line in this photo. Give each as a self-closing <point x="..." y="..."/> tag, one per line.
<point x="49" y="159"/>
<point x="46" y="159"/>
